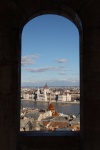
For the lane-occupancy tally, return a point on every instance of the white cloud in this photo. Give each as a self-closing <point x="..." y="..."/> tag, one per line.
<point x="62" y="73"/>
<point x="43" y="69"/>
<point x="28" y="60"/>
<point x="62" y="60"/>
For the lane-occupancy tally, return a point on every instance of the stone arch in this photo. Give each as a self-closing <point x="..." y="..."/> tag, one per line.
<point x="58" y="8"/>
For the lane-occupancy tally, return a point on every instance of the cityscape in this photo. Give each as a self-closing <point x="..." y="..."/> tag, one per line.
<point x="50" y="117"/>
<point x="50" y="93"/>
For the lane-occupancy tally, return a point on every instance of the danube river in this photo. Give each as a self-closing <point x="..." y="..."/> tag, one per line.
<point x="67" y="108"/>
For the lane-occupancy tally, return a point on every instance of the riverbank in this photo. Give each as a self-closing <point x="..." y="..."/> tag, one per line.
<point x="61" y="102"/>
<point x="66" y="108"/>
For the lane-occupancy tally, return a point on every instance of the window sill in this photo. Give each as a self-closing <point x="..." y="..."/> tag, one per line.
<point x="49" y="133"/>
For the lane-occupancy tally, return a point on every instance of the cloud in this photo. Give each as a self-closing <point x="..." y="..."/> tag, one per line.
<point x="28" y="60"/>
<point x="62" y="73"/>
<point x="62" y="66"/>
<point x="62" y="60"/>
<point x="43" y="69"/>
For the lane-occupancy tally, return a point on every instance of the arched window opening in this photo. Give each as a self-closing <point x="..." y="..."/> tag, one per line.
<point x="50" y="79"/>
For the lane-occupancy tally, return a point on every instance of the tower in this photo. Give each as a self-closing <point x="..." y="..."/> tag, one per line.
<point x="51" y="107"/>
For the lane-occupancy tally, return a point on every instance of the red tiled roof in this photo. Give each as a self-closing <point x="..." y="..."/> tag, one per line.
<point x="53" y="110"/>
<point x="51" y="107"/>
<point x="58" y="124"/>
<point x="45" y="123"/>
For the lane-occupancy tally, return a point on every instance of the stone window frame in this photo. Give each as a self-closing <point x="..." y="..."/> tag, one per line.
<point x="69" y="136"/>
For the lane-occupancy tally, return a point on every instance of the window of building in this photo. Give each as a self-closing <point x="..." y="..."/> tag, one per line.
<point x="50" y="79"/>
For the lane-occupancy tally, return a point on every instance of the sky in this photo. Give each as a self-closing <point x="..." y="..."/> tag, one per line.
<point x="50" y="52"/>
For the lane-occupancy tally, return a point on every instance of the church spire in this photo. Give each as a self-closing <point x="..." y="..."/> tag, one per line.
<point x="51" y="107"/>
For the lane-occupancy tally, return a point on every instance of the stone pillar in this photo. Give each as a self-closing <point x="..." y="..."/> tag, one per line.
<point x="9" y="85"/>
<point x="90" y="96"/>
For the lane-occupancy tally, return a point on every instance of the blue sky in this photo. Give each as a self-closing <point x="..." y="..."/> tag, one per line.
<point x="50" y="52"/>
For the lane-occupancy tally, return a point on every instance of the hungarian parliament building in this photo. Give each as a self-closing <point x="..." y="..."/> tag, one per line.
<point x="57" y="94"/>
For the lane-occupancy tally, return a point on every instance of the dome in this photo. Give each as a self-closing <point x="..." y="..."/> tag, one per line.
<point x="46" y="86"/>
